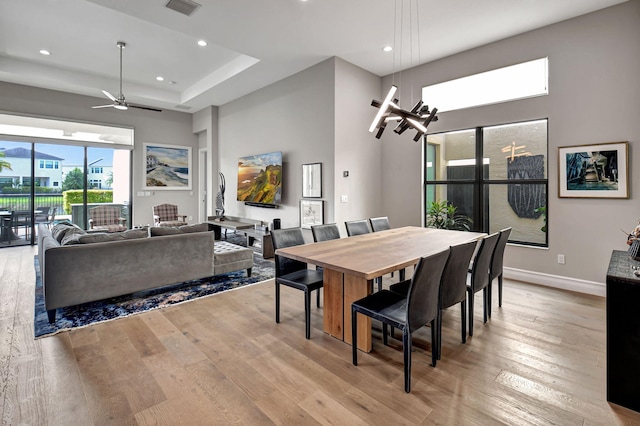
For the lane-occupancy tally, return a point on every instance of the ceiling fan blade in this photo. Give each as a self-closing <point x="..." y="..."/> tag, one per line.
<point x="103" y="106"/>
<point x="109" y="95"/>
<point x="144" y="107"/>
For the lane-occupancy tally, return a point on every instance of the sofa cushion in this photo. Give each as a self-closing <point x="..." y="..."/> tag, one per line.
<point x="184" y="229"/>
<point x="72" y="236"/>
<point x="101" y="237"/>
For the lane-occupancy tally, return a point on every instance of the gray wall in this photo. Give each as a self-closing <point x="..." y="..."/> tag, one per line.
<point x="594" y="86"/>
<point x="295" y="116"/>
<point x="166" y="127"/>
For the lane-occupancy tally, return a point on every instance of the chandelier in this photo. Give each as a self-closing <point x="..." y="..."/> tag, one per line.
<point x="417" y="118"/>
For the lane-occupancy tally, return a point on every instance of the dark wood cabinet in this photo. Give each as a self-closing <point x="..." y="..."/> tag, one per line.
<point x="623" y="331"/>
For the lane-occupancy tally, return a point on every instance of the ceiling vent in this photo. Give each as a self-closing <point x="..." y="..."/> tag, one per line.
<point x="186" y="7"/>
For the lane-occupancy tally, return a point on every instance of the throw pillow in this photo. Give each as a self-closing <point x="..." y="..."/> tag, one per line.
<point x="60" y="229"/>
<point x="72" y="236"/>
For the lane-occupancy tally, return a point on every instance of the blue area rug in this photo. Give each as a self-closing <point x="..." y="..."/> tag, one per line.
<point x="122" y="306"/>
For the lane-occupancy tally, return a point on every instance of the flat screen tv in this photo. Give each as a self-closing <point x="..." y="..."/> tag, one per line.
<point x="260" y="179"/>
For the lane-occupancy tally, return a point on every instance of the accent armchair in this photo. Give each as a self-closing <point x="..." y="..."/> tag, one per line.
<point x="167" y="215"/>
<point x="107" y="218"/>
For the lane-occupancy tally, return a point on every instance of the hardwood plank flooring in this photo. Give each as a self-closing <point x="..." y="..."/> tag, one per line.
<point x="220" y="360"/>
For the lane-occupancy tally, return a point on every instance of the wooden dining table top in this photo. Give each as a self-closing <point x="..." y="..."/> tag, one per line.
<point x="371" y="255"/>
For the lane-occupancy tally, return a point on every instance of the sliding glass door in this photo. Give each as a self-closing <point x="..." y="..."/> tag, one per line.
<point x="48" y="183"/>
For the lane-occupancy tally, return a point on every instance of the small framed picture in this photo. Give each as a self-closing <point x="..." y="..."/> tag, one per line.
<point x="594" y="171"/>
<point x="311" y="213"/>
<point x="312" y="180"/>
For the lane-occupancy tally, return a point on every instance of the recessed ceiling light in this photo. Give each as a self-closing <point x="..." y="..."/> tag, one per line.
<point x="45" y="52"/>
<point x="387" y="48"/>
<point x="160" y="78"/>
<point x="172" y="82"/>
<point x="202" y="43"/>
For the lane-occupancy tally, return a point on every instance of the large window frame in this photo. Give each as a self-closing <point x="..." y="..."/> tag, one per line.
<point x="481" y="182"/>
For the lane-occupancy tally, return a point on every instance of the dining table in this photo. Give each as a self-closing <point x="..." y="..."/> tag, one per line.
<point x="351" y="264"/>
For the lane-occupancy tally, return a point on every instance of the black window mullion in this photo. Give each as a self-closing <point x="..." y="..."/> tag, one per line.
<point x="478" y="193"/>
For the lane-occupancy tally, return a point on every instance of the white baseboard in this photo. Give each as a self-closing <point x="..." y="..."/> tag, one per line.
<point x="556" y="281"/>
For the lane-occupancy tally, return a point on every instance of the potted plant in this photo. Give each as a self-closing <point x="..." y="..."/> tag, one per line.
<point x="444" y="215"/>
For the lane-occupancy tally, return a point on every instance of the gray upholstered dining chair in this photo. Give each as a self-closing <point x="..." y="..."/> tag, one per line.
<point x="497" y="264"/>
<point x="382" y="224"/>
<point x="408" y="313"/>
<point x="360" y="227"/>
<point x="478" y="277"/>
<point x="325" y="232"/>
<point x="453" y="287"/>
<point x="379" y="223"/>
<point x="294" y="273"/>
<point x="357" y="227"/>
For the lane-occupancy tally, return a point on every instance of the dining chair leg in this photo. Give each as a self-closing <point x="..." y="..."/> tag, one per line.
<point x="379" y="280"/>
<point x="307" y="314"/>
<point x="318" y="298"/>
<point x="500" y="290"/>
<point x="385" y="339"/>
<point x="470" y="310"/>
<point x="463" y="318"/>
<point x="489" y="298"/>
<point x="484" y="304"/>
<point x="402" y="275"/>
<point x="354" y="336"/>
<point x="406" y="345"/>
<point x="434" y="342"/>
<point x="438" y="344"/>
<point x="277" y="303"/>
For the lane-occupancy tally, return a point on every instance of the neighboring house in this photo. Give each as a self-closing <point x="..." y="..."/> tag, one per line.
<point x="99" y="173"/>
<point x="48" y="169"/>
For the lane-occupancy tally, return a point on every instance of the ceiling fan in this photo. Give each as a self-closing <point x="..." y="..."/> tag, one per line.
<point x="118" y="101"/>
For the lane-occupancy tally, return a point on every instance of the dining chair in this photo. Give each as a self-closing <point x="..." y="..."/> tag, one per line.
<point x="21" y="219"/>
<point x="42" y="215"/>
<point x="357" y="227"/>
<point x="478" y="278"/>
<point x="453" y="287"/>
<point x="382" y="224"/>
<point x="379" y="223"/>
<point x="417" y="309"/>
<point x="325" y="232"/>
<point x="295" y="274"/>
<point x="360" y="227"/>
<point x="497" y="263"/>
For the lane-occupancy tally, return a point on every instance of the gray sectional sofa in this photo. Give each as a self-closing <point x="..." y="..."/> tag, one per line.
<point x="79" y="267"/>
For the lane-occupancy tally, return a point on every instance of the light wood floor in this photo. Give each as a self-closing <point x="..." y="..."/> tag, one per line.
<point x="223" y="360"/>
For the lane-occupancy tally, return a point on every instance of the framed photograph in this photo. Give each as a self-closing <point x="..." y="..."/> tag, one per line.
<point x="312" y="180"/>
<point x="311" y="213"/>
<point x="594" y="171"/>
<point x="167" y="167"/>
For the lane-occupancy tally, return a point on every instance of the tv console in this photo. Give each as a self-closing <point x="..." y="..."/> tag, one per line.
<point x="252" y="229"/>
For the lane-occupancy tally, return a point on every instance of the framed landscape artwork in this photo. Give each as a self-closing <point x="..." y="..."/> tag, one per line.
<point x="167" y="167"/>
<point x="594" y="171"/>
<point x="311" y="213"/>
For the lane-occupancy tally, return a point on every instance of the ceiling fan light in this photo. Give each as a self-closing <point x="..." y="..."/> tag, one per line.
<point x="121" y="107"/>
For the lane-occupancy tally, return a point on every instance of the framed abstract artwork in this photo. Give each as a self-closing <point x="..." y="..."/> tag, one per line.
<point x="594" y="171"/>
<point x="311" y="213"/>
<point x="167" y="167"/>
<point x="312" y="180"/>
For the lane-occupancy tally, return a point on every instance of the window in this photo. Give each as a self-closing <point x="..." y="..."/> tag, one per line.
<point x="55" y="184"/>
<point x="96" y="170"/>
<point x="519" y="81"/>
<point x="95" y="183"/>
<point x="495" y="175"/>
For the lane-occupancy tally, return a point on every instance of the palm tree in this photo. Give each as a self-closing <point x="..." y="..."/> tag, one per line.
<point x="4" y="164"/>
